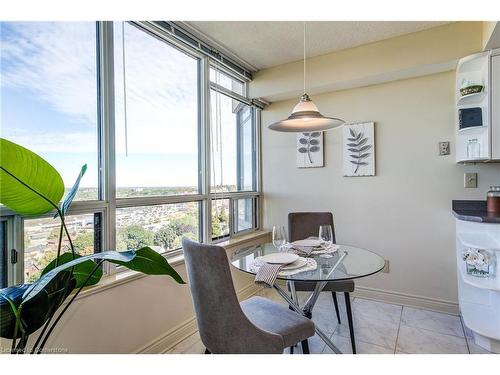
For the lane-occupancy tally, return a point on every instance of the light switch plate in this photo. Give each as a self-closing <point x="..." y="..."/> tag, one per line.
<point x="470" y="180"/>
<point x="444" y="148"/>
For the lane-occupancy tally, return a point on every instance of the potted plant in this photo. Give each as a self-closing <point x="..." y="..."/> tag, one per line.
<point x="30" y="186"/>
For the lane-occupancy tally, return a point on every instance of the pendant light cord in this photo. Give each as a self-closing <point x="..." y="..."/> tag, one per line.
<point x="124" y="89"/>
<point x="304" y="57"/>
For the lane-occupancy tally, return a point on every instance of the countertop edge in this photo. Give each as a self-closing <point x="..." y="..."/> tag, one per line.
<point x="473" y="211"/>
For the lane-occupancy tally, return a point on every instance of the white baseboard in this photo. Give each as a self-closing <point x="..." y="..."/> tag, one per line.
<point x="427" y="303"/>
<point x="167" y="341"/>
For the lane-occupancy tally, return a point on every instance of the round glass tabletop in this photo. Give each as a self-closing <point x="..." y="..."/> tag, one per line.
<point x="355" y="264"/>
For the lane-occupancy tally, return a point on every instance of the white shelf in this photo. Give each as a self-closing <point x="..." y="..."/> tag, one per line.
<point x="481" y="319"/>
<point x="471" y="98"/>
<point x="491" y="283"/>
<point x="479" y="241"/>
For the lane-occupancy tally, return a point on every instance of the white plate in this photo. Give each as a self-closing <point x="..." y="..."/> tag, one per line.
<point x="307" y="243"/>
<point x="299" y="263"/>
<point x="280" y="258"/>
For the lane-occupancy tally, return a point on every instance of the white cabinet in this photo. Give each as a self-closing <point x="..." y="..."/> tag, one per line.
<point x="495" y="106"/>
<point x="479" y="298"/>
<point x="478" y="115"/>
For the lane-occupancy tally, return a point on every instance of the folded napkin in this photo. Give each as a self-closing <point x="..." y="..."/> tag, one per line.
<point x="302" y="250"/>
<point x="267" y="274"/>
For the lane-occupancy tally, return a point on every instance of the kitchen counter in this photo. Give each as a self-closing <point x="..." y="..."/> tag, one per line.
<point x="473" y="211"/>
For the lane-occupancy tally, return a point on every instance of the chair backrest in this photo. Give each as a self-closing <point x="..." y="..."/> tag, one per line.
<point x="223" y="326"/>
<point x="306" y="224"/>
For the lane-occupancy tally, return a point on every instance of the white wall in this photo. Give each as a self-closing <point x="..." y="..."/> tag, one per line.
<point x="404" y="213"/>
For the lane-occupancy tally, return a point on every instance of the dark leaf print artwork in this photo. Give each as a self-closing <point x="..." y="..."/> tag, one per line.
<point x="310" y="144"/>
<point x="358" y="149"/>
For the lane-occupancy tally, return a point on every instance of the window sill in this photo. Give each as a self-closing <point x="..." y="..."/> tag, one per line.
<point x="127" y="276"/>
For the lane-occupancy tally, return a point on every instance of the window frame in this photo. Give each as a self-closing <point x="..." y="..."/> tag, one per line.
<point x="107" y="202"/>
<point x="255" y="193"/>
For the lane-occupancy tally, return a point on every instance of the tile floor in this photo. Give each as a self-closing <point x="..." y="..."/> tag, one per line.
<point x="380" y="328"/>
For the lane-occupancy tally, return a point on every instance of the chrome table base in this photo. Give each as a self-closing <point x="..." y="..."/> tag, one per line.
<point x="306" y="311"/>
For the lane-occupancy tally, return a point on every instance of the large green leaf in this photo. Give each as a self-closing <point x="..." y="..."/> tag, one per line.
<point x="39" y="285"/>
<point x="37" y="311"/>
<point x="150" y="262"/>
<point x="25" y="178"/>
<point x="72" y="193"/>
<point x="81" y="271"/>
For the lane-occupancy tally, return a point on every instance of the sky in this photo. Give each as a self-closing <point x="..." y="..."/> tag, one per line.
<point x="49" y="104"/>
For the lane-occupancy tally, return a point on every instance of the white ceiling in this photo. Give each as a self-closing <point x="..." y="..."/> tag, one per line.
<point x="267" y="43"/>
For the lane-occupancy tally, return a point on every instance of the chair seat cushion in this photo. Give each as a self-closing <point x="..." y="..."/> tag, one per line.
<point x="273" y="317"/>
<point x="333" y="286"/>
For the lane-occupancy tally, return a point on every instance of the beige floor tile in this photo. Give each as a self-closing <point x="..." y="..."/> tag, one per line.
<point x="476" y="349"/>
<point x="376" y="311"/>
<point x="433" y="321"/>
<point x="420" y="341"/>
<point x="344" y="345"/>
<point x="371" y="331"/>
<point x="316" y="346"/>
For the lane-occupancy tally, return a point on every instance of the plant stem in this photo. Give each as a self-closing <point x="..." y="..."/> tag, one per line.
<point x="22" y="343"/>
<point x="42" y="345"/>
<point x="46" y="325"/>
<point x="14" y="340"/>
<point x="69" y="237"/>
<point x="59" y="245"/>
<point x="17" y="327"/>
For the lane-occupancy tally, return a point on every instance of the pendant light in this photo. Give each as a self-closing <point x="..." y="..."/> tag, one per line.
<point x="305" y="115"/>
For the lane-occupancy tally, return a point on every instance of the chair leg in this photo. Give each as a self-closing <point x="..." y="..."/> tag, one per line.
<point x="336" y="304"/>
<point x="305" y="347"/>
<point x="349" y="319"/>
<point x="207" y="351"/>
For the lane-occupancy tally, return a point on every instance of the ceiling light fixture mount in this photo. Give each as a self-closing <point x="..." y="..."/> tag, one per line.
<point x="305" y="115"/>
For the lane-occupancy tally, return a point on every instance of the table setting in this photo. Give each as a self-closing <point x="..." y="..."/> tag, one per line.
<point x="294" y="257"/>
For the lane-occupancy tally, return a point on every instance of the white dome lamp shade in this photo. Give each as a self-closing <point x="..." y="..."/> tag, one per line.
<point x="305" y="116"/>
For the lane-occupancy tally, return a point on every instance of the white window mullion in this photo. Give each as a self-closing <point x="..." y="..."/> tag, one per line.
<point x="107" y="129"/>
<point x="206" y="149"/>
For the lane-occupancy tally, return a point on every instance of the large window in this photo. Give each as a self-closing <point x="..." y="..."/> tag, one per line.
<point x="135" y="105"/>
<point x="161" y="227"/>
<point x="48" y="95"/>
<point x="233" y="182"/>
<point x="41" y="240"/>
<point x="232" y="144"/>
<point x="156" y="116"/>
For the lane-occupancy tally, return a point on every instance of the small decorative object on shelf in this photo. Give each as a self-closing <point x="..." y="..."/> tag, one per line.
<point x="479" y="262"/>
<point x="470" y="87"/>
<point x="475" y="89"/>
<point x="493" y="200"/>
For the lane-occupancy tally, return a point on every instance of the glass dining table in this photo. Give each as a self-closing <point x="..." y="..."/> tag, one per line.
<point x="347" y="263"/>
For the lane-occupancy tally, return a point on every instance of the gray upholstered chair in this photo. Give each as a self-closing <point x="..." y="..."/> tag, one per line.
<point x="306" y="224"/>
<point x="257" y="325"/>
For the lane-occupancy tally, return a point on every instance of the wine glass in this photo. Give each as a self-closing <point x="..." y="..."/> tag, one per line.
<point x="325" y="238"/>
<point x="279" y="238"/>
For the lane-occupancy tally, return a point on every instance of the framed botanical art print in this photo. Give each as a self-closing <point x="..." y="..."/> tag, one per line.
<point x="358" y="142"/>
<point x="309" y="150"/>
